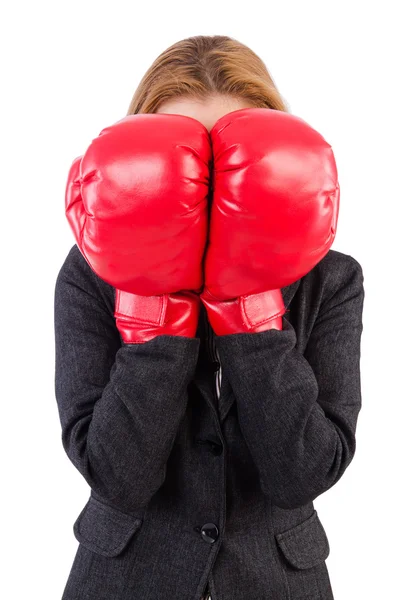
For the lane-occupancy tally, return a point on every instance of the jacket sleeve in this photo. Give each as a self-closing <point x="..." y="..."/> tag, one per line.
<point x="120" y="405"/>
<point x="298" y="412"/>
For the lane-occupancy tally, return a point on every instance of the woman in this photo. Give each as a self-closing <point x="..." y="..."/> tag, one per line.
<point x="206" y="408"/>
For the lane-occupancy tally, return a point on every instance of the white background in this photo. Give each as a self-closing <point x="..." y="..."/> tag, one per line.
<point x="68" y="70"/>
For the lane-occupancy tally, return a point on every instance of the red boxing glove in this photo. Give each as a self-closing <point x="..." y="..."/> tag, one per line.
<point x="137" y="205"/>
<point x="273" y="218"/>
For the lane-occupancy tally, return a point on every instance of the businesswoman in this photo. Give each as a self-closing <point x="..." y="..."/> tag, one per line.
<point x="207" y="339"/>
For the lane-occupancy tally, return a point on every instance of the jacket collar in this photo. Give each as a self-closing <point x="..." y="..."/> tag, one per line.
<point x="289" y="291"/>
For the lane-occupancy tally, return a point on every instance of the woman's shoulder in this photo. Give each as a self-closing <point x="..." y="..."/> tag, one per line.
<point x="335" y="273"/>
<point x="75" y="271"/>
<point x="337" y="267"/>
<point x="340" y="262"/>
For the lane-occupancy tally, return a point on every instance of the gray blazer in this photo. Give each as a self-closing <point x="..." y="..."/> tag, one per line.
<point x="187" y="489"/>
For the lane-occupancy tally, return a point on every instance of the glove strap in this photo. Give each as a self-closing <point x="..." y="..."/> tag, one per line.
<point x="145" y="310"/>
<point x="246" y="314"/>
<point x="142" y="318"/>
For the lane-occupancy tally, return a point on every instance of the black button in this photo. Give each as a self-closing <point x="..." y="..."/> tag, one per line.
<point x="214" y="445"/>
<point x="215" y="448"/>
<point x="209" y="533"/>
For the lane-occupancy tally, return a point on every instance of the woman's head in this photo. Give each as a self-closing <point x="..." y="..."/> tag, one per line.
<point x="205" y="77"/>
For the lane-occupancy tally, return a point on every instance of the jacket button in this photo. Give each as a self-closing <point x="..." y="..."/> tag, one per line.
<point x="214" y="445"/>
<point x="209" y="533"/>
<point x="215" y="448"/>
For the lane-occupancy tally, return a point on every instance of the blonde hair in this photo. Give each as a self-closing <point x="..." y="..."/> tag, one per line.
<point x="202" y="65"/>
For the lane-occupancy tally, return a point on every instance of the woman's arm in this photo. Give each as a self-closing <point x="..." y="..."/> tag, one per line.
<point x="120" y="405"/>
<point x="298" y="413"/>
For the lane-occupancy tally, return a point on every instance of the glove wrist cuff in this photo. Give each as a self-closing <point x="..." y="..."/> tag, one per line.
<point x="252" y="313"/>
<point x="142" y="318"/>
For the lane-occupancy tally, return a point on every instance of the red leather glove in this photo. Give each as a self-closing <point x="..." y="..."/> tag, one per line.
<point x="273" y="216"/>
<point x="137" y="205"/>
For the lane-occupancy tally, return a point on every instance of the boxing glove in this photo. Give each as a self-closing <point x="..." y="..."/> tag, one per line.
<point x="273" y="216"/>
<point x="136" y="202"/>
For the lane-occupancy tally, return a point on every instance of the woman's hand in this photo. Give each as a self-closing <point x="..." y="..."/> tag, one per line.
<point x="137" y="205"/>
<point x="273" y="216"/>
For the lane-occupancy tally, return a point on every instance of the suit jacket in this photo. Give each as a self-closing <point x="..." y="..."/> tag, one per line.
<point x="187" y="488"/>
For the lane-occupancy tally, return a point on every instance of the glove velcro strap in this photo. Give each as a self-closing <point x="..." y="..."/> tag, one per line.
<point x="257" y="309"/>
<point x="148" y="310"/>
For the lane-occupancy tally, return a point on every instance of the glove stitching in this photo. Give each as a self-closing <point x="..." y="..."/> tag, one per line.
<point x="250" y="324"/>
